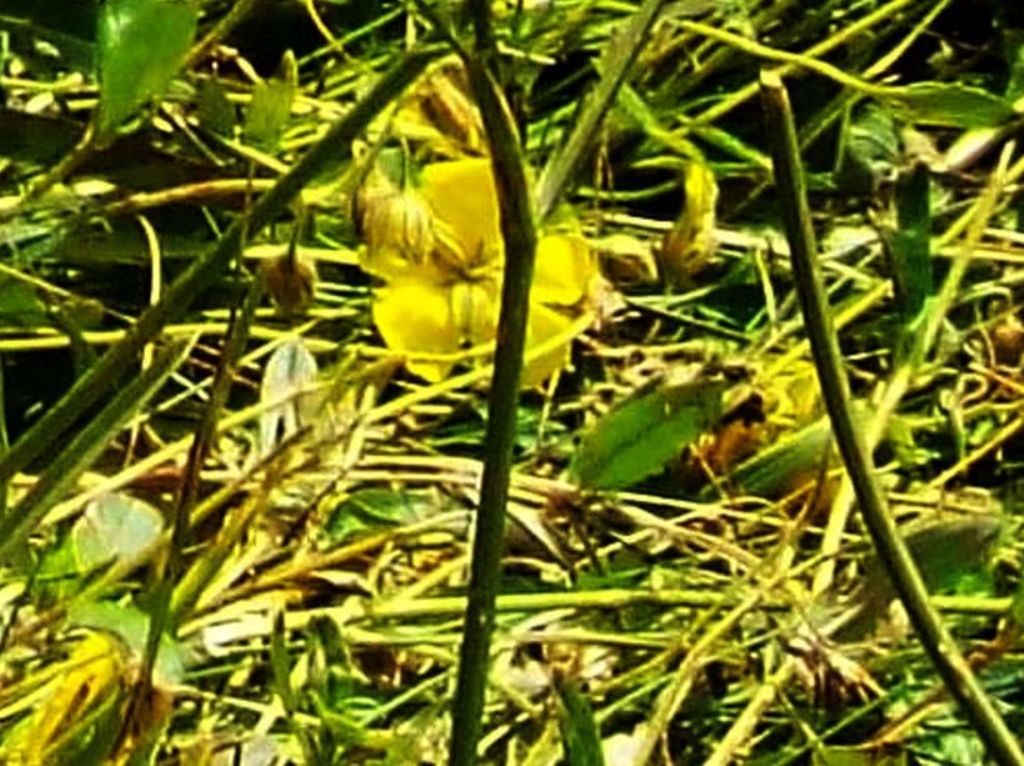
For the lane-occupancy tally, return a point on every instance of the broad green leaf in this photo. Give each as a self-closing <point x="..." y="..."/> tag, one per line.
<point x="945" y="552"/>
<point x="581" y="740"/>
<point x="271" y="106"/>
<point x="115" y="526"/>
<point x="949" y="105"/>
<point x="637" y="438"/>
<point x="142" y="44"/>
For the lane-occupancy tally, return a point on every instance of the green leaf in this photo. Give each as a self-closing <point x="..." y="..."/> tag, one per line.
<point x="131" y="625"/>
<point x="142" y="44"/>
<point x="581" y="739"/>
<point x="1013" y="50"/>
<point x="945" y="552"/>
<point x="638" y="437"/>
<point x="216" y="112"/>
<point x="787" y="464"/>
<point x="20" y="306"/>
<point x="115" y="526"/>
<point x="846" y="755"/>
<point x="870" y="148"/>
<point x="375" y="508"/>
<point x="949" y="105"/>
<point x="271" y="106"/>
<point x="910" y="244"/>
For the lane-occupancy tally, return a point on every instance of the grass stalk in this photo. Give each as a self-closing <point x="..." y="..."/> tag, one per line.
<point x="892" y="552"/>
<point x="519" y="232"/>
<point x="620" y="57"/>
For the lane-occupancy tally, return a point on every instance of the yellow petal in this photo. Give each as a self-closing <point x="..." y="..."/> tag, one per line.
<point x="415" y="318"/>
<point x="464" y="200"/>
<point x="545" y="325"/>
<point x="392" y="265"/>
<point x="566" y="268"/>
<point x="93" y="671"/>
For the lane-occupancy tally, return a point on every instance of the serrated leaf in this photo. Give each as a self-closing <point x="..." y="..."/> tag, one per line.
<point x="949" y="105"/>
<point x="141" y="46"/>
<point x="115" y="526"/>
<point x="640" y="436"/>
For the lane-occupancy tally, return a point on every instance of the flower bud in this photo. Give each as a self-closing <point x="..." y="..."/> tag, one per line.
<point x="290" y="280"/>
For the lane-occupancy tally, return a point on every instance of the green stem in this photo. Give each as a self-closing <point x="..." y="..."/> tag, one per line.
<point x="519" y="232"/>
<point x="223" y="28"/>
<point x="844" y="35"/>
<point x="106" y="373"/>
<point x="892" y="552"/>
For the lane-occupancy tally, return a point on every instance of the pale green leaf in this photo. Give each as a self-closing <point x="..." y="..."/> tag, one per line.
<point x="115" y="526"/>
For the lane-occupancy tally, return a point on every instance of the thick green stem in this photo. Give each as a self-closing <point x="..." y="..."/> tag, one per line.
<point x="892" y="551"/>
<point x="519" y="233"/>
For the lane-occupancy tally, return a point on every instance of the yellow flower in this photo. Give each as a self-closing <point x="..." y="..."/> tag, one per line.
<point x="442" y="290"/>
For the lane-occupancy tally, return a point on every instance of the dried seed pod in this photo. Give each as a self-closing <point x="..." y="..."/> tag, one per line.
<point x="290" y="280"/>
<point x="1008" y="341"/>
<point x="395" y="221"/>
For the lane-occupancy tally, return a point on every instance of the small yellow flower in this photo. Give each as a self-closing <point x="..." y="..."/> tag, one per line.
<point x="442" y="290"/>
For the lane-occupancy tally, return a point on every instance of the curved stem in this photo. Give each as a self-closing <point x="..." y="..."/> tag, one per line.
<point x="892" y="552"/>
